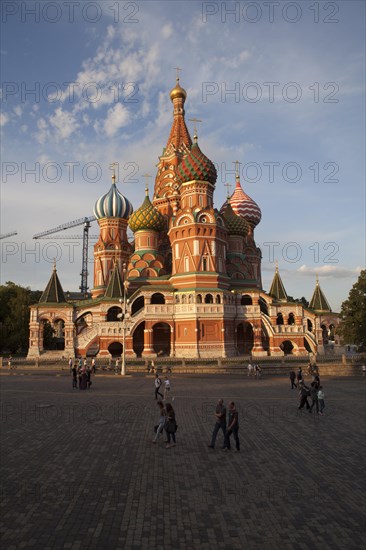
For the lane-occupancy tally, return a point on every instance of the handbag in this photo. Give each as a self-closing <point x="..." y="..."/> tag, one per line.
<point x="171" y="427"/>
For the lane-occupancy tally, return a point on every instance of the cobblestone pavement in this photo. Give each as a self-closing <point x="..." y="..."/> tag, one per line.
<point x="79" y="470"/>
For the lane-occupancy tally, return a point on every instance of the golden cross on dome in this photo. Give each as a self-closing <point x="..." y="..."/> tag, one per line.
<point x="237" y="168"/>
<point x="177" y="69"/>
<point x="228" y="185"/>
<point x="113" y="167"/>
<point x="195" y="120"/>
<point x="146" y="176"/>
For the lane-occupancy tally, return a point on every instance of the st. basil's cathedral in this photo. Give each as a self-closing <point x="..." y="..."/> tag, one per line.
<point x="189" y="285"/>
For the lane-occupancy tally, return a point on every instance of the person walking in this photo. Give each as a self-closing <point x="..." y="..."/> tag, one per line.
<point x="299" y="376"/>
<point x="116" y="368"/>
<point x="292" y="379"/>
<point x="314" y="397"/>
<point x="166" y="387"/>
<point x="170" y="426"/>
<point x="220" y="414"/>
<point x="74" y="373"/>
<point x="93" y="366"/>
<point x="157" y="383"/>
<point x="161" y="422"/>
<point x="321" y="397"/>
<point x="304" y="392"/>
<point x="363" y="370"/>
<point x="88" y="377"/>
<point x="10" y="362"/>
<point x="250" y="369"/>
<point x="70" y="364"/>
<point x="233" y="428"/>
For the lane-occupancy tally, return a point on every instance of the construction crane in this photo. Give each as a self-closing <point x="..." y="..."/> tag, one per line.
<point x="84" y="263"/>
<point x="5" y="235"/>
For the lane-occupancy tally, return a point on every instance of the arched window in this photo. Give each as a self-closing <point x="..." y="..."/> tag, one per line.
<point x="158" y="298"/>
<point x="279" y="320"/>
<point x="246" y="300"/>
<point x="291" y="319"/>
<point x="186" y="263"/>
<point x="113" y="313"/>
<point x="309" y="325"/>
<point x="218" y="299"/>
<point x="204" y="263"/>
<point x="199" y="299"/>
<point x="184" y="299"/>
<point x="208" y="299"/>
<point x="138" y="304"/>
<point x="263" y="306"/>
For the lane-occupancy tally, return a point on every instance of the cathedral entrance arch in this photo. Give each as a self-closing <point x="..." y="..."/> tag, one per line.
<point x="115" y="349"/>
<point x="59" y="326"/>
<point x="244" y="338"/>
<point x="161" y="339"/>
<point x="138" y="339"/>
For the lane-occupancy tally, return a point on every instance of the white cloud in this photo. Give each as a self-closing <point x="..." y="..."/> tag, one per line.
<point x="18" y="110"/>
<point x="43" y="134"/>
<point x="167" y="30"/>
<point x="329" y="271"/>
<point x="64" y="123"/>
<point x="117" y="117"/>
<point x="4" y="119"/>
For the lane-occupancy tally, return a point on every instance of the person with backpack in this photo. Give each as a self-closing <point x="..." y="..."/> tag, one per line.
<point x="157" y="383"/>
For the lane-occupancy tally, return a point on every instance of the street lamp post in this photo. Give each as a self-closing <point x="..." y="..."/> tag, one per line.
<point x="124" y="314"/>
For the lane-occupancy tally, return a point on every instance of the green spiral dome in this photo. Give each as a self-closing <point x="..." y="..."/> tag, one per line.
<point x="146" y="217"/>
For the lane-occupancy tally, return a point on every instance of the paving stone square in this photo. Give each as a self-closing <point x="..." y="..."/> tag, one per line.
<point x="79" y="469"/>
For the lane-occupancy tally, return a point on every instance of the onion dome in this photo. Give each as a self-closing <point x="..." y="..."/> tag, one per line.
<point x="113" y="204"/>
<point x="245" y="206"/>
<point x="196" y="166"/>
<point x="236" y="225"/>
<point x="146" y="217"/>
<point x="178" y="91"/>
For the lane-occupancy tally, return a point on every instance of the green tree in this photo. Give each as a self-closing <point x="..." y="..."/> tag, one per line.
<point x="352" y="328"/>
<point x="14" y="316"/>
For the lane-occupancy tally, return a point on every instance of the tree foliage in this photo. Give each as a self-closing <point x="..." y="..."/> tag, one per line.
<point x="352" y="328"/>
<point x="14" y="316"/>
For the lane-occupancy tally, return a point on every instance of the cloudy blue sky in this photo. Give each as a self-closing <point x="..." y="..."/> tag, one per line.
<point x="278" y="86"/>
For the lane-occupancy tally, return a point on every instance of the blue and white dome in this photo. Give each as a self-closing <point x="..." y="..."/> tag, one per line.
<point x="113" y="205"/>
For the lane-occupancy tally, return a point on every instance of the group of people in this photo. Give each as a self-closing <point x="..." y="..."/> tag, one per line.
<point x="315" y="392"/>
<point x="166" y="423"/>
<point x="153" y="369"/>
<point x="228" y="429"/>
<point x="81" y="373"/>
<point x="166" y="386"/>
<point x="254" y="370"/>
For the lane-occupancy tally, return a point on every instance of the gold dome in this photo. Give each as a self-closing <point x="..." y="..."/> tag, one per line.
<point x="178" y="91"/>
